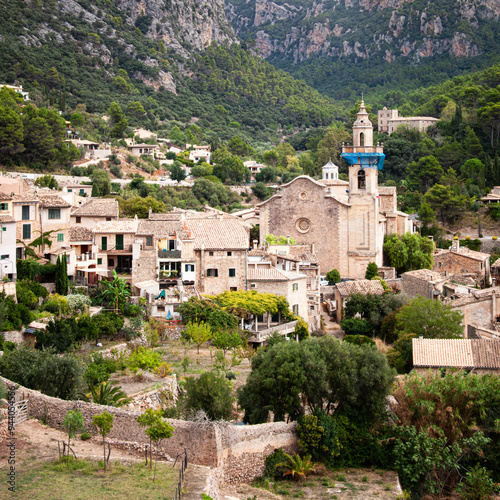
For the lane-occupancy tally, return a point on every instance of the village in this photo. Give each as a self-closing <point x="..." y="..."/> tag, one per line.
<point x="308" y="262"/>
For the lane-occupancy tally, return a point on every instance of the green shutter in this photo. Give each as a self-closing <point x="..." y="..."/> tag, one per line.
<point x="104" y="243"/>
<point x="119" y="241"/>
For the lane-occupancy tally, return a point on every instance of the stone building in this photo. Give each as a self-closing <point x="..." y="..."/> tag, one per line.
<point x="7" y="247"/>
<point x="343" y="290"/>
<point x="461" y="260"/>
<point x="347" y="221"/>
<point x="389" y="120"/>
<point x="94" y="211"/>
<point x="424" y="282"/>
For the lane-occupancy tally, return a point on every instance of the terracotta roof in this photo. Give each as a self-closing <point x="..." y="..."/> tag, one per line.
<point x="80" y="233"/>
<point x="159" y="228"/>
<point x="154" y="146"/>
<point x="269" y="273"/>
<point x="219" y="233"/>
<point x="53" y="201"/>
<point x="364" y="287"/>
<point x="458" y="353"/>
<point x="97" y="207"/>
<point x="6" y="218"/>
<point x="29" y="196"/>
<point x="464" y="252"/>
<point x="425" y="275"/>
<point x="5" y="197"/>
<point x="117" y="226"/>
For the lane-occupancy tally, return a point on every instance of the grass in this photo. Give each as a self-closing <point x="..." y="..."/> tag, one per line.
<point x="83" y="479"/>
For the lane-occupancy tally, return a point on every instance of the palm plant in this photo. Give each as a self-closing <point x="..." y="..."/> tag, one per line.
<point x="116" y="291"/>
<point x="107" y="395"/>
<point x="296" y="466"/>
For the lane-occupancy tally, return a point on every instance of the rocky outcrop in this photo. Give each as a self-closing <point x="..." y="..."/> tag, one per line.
<point x="360" y="29"/>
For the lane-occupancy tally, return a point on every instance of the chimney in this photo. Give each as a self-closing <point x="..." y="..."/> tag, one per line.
<point x="287" y="239"/>
<point x="255" y="242"/>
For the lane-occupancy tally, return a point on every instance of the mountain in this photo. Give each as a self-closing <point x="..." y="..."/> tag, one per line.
<point x="306" y="36"/>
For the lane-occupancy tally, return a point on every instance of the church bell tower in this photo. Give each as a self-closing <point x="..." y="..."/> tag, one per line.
<point x="364" y="160"/>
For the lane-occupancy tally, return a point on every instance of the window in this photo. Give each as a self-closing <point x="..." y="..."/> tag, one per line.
<point x="78" y="220"/>
<point x="111" y="262"/>
<point x="212" y="273"/>
<point x="99" y="262"/>
<point x="54" y="213"/>
<point x="233" y="289"/>
<point x="149" y="241"/>
<point x="4" y="228"/>
<point x="311" y="307"/>
<point x="67" y="259"/>
<point x="119" y="241"/>
<point x="232" y="272"/>
<point x="361" y="179"/>
<point x="108" y="219"/>
<point x="210" y="254"/>
<point x="26" y="231"/>
<point x="295" y="287"/>
<point x="26" y="212"/>
<point x="104" y="243"/>
<point x="296" y="309"/>
<point x="189" y="268"/>
<point x="60" y="237"/>
<point x="82" y="191"/>
<point x="3" y="257"/>
<point x="171" y="244"/>
<point x="253" y="285"/>
<point x="70" y="190"/>
<point x="4" y="206"/>
<point x="229" y="254"/>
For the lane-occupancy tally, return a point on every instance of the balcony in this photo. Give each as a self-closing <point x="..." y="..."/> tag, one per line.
<point x="169" y="254"/>
<point x="262" y="335"/>
<point x="125" y="249"/>
<point x="168" y="277"/>
<point x="85" y="257"/>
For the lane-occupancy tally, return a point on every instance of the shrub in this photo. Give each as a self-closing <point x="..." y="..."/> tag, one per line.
<point x="132" y="310"/>
<point x="77" y="303"/>
<point x="108" y="324"/>
<point x="359" y="340"/>
<point x="477" y="484"/>
<point x="271" y="471"/>
<point x="145" y="359"/>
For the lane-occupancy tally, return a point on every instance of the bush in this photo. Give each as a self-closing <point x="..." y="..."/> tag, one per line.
<point x="108" y="324"/>
<point x="275" y="458"/>
<point x="100" y="368"/>
<point x="132" y="310"/>
<point x="477" y="484"/>
<point x="211" y="393"/>
<point x="359" y="340"/>
<point x="45" y="371"/>
<point x="144" y="359"/>
<point x="356" y="326"/>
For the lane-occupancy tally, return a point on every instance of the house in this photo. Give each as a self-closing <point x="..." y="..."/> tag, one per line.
<point x="7" y="247"/>
<point x="199" y="155"/>
<point x="10" y="186"/>
<point x="81" y="239"/>
<point x="94" y="211"/>
<point x="493" y="196"/>
<point x="389" y="120"/>
<point x="424" y="282"/>
<point x="476" y="355"/>
<point x="495" y="271"/>
<point x="115" y="246"/>
<point x="343" y="290"/>
<point x="79" y="189"/>
<point x="461" y="260"/>
<point x="37" y="213"/>
<point x="143" y="149"/>
<point x="254" y="167"/>
<point x="18" y="89"/>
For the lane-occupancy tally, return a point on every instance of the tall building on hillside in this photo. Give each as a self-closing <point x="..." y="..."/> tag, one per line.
<point x="389" y="120"/>
<point x="345" y="221"/>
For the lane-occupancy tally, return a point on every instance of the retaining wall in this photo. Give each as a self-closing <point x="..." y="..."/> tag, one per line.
<point x="237" y="451"/>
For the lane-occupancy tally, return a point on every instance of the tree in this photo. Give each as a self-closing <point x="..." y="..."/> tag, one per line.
<point x="117" y="121"/>
<point x="261" y="191"/>
<point x="177" y="173"/>
<point x="47" y="181"/>
<point x="72" y="424"/>
<point x="296" y="466"/>
<point x="333" y="277"/>
<point x="101" y="182"/>
<point x="409" y="252"/>
<point x="237" y="146"/>
<point x="62" y="280"/>
<point x="270" y="158"/>
<point x="267" y="174"/>
<point x="104" y="424"/>
<point x="371" y="271"/>
<point x="158" y="430"/>
<point x="424" y="173"/>
<point x="290" y="379"/>
<point x="116" y="291"/>
<point x="11" y="134"/>
<point x="211" y="393"/>
<point x="430" y="319"/>
<point x="147" y="419"/>
<point x="199" y="333"/>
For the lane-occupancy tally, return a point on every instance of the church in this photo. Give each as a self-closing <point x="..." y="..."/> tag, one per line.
<point x="345" y="221"/>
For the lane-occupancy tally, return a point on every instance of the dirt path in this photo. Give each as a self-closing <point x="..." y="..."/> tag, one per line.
<point x="35" y="440"/>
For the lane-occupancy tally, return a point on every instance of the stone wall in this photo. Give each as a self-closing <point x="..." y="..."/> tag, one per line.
<point x="413" y="286"/>
<point x="239" y="451"/>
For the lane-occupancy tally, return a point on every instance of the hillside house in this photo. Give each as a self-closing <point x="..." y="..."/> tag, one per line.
<point x="94" y="211"/>
<point x="343" y="290"/>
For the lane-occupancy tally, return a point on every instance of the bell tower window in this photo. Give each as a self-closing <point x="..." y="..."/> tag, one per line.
<point x="361" y="179"/>
<point x="361" y="139"/>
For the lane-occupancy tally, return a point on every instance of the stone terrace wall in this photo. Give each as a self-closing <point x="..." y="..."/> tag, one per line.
<point x="245" y="448"/>
<point x="237" y="451"/>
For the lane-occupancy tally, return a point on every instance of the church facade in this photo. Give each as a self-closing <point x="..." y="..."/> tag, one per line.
<point x="345" y="221"/>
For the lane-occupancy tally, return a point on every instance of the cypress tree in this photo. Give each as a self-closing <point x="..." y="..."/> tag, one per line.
<point x="58" y="276"/>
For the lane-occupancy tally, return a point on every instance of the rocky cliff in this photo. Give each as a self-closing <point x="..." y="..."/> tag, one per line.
<point x="361" y="29"/>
